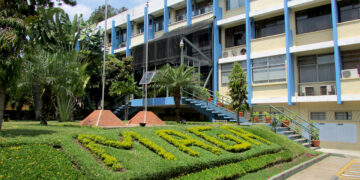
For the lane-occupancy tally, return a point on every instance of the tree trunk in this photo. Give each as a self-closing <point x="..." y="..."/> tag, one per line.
<point x="177" y="98"/>
<point x="237" y="118"/>
<point x="2" y="106"/>
<point x="38" y="103"/>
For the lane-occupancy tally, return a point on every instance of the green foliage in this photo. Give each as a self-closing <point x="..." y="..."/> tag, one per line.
<point x="99" y="13"/>
<point x="246" y="135"/>
<point x="240" y="146"/>
<point x="256" y="114"/>
<point x="266" y="114"/>
<point x="35" y="161"/>
<point x="314" y="132"/>
<point x="238" y="89"/>
<point x="185" y="142"/>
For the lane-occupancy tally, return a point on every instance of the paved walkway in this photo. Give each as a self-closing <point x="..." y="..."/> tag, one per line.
<point x="326" y="169"/>
<point x="338" y="151"/>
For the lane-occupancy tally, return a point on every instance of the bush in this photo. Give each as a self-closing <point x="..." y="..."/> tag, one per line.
<point x="246" y="135"/>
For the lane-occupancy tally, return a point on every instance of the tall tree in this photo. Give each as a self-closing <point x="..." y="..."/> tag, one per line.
<point x="238" y="90"/>
<point x="177" y="79"/>
<point x="99" y="15"/>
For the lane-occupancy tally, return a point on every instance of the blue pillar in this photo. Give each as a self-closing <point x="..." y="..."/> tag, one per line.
<point x="128" y="35"/>
<point x="337" y="57"/>
<point x="289" y="60"/>
<point x="195" y="12"/>
<point x="217" y="46"/>
<point x="146" y="27"/>
<point x="77" y="46"/>
<point x="248" y="49"/>
<point x="113" y="37"/>
<point x="119" y="41"/>
<point x="252" y="28"/>
<point x="166" y="17"/>
<point x="188" y="12"/>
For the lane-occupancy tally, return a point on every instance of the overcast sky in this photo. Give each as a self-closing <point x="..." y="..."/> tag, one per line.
<point x="85" y="7"/>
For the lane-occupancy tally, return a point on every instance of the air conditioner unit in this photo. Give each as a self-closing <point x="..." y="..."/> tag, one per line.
<point x="350" y="73"/>
<point x="234" y="52"/>
<point x="308" y="91"/>
<point x="225" y="54"/>
<point x="327" y="90"/>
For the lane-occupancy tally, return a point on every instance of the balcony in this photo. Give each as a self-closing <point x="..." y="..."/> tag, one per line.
<point x="317" y="89"/>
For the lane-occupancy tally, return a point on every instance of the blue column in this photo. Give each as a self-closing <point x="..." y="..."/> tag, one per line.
<point x="289" y="60"/>
<point x="146" y="27"/>
<point x="77" y="46"/>
<point x="113" y="37"/>
<point x="188" y="12"/>
<point x="248" y="49"/>
<point x="217" y="46"/>
<point x="252" y="28"/>
<point x="337" y="57"/>
<point x="128" y="35"/>
<point x="195" y="12"/>
<point x="166" y="17"/>
<point x="119" y="41"/>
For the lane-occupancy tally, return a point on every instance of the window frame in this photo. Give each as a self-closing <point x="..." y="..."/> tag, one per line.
<point x="342" y="4"/>
<point x="316" y="64"/>
<point x="268" y="67"/>
<point x="319" y="119"/>
<point x="348" y="116"/>
<point x="271" y="22"/>
<point x="230" y="32"/>
<point x="311" y="12"/>
<point x="229" y="71"/>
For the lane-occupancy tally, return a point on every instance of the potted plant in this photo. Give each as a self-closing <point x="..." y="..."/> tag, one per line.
<point x="241" y="114"/>
<point x="205" y="95"/>
<point x="315" y="141"/>
<point x="285" y="121"/>
<point x="218" y="97"/>
<point x="274" y="123"/>
<point x="267" y="116"/>
<point x="256" y="117"/>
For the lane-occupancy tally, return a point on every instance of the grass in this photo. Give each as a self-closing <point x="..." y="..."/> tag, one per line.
<point x="139" y="162"/>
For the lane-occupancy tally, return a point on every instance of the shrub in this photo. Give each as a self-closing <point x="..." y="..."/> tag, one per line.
<point x="241" y="146"/>
<point x="246" y="135"/>
<point x="186" y="141"/>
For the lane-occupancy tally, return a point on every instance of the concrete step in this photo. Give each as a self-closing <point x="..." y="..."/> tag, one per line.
<point x="300" y="140"/>
<point x="306" y="144"/>
<point x="286" y="133"/>
<point x="294" y="136"/>
<point x="281" y="129"/>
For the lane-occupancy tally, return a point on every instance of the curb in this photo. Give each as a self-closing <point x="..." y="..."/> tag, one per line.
<point x="299" y="167"/>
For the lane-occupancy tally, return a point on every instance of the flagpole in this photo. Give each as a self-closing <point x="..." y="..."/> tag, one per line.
<point x="146" y="56"/>
<point x="103" y="71"/>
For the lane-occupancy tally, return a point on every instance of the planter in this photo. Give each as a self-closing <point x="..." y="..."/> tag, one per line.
<point x="286" y="123"/>
<point x="241" y="114"/>
<point x="256" y="119"/>
<point x="209" y="99"/>
<point x="268" y="120"/>
<point x="315" y="143"/>
<point x="220" y="104"/>
<point x="142" y="124"/>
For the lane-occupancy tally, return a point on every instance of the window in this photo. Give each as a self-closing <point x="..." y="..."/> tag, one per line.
<point x="351" y="60"/>
<point x="234" y="4"/>
<point x="226" y="69"/>
<point x="159" y="23"/>
<point x="140" y="28"/>
<point x="181" y="14"/>
<point x="316" y="68"/>
<point x="203" y="8"/>
<point x="204" y="40"/>
<point x="235" y="36"/>
<point x="318" y="115"/>
<point x="349" y="10"/>
<point x="268" y="27"/>
<point x="123" y="35"/>
<point x="313" y="19"/>
<point x="269" y="69"/>
<point x="343" y="116"/>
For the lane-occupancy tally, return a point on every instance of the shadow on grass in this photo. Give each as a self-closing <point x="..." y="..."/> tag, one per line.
<point x="23" y="132"/>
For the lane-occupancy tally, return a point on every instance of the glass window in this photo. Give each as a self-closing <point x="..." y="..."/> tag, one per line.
<point x="203" y="8"/>
<point x="349" y="10"/>
<point x="318" y="115"/>
<point x="181" y="14"/>
<point x="123" y="35"/>
<point x="226" y="69"/>
<point x="159" y="23"/>
<point x="234" y="4"/>
<point x="313" y="19"/>
<point x="343" y="116"/>
<point x="269" y="69"/>
<point x="140" y="28"/>
<point x="235" y="36"/>
<point x="204" y="40"/>
<point x="316" y="68"/>
<point x="270" y="26"/>
<point x="351" y="60"/>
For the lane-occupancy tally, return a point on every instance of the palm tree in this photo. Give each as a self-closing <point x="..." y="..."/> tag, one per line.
<point x="175" y="80"/>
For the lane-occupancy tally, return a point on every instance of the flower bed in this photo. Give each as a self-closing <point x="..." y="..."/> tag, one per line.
<point x="246" y="135"/>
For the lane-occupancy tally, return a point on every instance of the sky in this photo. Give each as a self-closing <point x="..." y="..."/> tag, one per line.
<point x="85" y="7"/>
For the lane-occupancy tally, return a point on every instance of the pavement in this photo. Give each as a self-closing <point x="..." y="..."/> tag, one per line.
<point x="330" y="168"/>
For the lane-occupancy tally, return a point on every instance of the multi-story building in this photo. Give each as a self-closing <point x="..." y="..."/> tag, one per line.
<point x="301" y="54"/>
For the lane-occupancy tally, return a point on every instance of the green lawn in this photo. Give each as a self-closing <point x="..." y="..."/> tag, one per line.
<point x="22" y="143"/>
